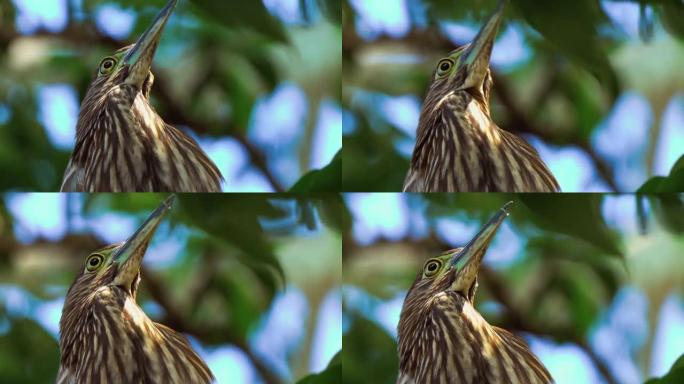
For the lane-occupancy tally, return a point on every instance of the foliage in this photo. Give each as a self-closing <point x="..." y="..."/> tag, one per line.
<point x="674" y="182"/>
<point x="676" y="374"/>
<point x="331" y="375"/>
<point x="326" y="179"/>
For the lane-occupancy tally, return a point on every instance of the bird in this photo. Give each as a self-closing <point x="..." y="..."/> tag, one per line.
<point x="122" y="144"/>
<point x="105" y="337"/>
<point x="442" y="337"/>
<point x="458" y="146"/>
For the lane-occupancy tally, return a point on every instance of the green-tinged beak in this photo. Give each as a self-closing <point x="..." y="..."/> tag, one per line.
<point x="129" y="256"/>
<point x="476" y="56"/>
<point x="139" y="57"/>
<point x="467" y="261"/>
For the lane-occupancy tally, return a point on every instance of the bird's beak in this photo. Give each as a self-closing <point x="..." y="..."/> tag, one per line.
<point x="475" y="59"/>
<point x="139" y="57"/>
<point x="129" y="256"/>
<point x="467" y="262"/>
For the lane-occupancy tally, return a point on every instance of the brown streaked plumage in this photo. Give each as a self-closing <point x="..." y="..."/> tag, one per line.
<point x="458" y="146"/>
<point x="442" y="337"/>
<point x="106" y="338"/>
<point x="122" y="144"/>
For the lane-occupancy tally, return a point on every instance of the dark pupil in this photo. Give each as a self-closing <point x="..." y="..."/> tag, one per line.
<point x="94" y="261"/>
<point x="432" y="267"/>
<point x="445" y="66"/>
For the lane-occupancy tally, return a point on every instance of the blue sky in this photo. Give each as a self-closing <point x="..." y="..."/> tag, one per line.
<point x="623" y="131"/>
<point x="279" y="333"/>
<point x="278" y="118"/>
<point x="618" y="334"/>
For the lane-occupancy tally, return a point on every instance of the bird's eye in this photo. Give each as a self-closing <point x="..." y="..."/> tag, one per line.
<point x="107" y="65"/>
<point x="432" y="267"/>
<point x="444" y="67"/>
<point x="94" y="262"/>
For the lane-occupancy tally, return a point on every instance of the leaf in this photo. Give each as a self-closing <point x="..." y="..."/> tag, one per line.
<point x="576" y="215"/>
<point x="369" y="354"/>
<point x="673" y="183"/>
<point x="668" y="209"/>
<point x="243" y="14"/>
<point x="671" y="13"/>
<point x="335" y="213"/>
<point x="575" y="36"/>
<point x="327" y="179"/>
<point x="675" y="376"/>
<point x="235" y="219"/>
<point x="331" y="375"/>
<point x="332" y="9"/>
<point x="28" y="354"/>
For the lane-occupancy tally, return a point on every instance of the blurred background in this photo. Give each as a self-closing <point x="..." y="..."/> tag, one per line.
<point x="255" y="82"/>
<point x="594" y="283"/>
<point x="252" y="280"/>
<point x="595" y="86"/>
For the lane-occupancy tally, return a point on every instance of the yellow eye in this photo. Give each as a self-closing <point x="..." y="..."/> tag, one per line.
<point x="107" y="65"/>
<point x="94" y="262"/>
<point x="444" y="67"/>
<point x="432" y="267"/>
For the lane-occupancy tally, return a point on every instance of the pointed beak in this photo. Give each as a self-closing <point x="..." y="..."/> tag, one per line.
<point x="476" y="56"/>
<point x="129" y="256"/>
<point x="139" y="57"/>
<point x="469" y="259"/>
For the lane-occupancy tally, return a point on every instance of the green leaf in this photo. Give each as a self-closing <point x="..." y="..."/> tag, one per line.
<point x="243" y="14"/>
<point x="575" y="36"/>
<point x="668" y="209"/>
<point x="332" y="9"/>
<point x="672" y="13"/>
<point x="327" y="179"/>
<point x="675" y="376"/>
<point x="673" y="183"/>
<point x="28" y="354"/>
<point x="236" y="221"/>
<point x="331" y="375"/>
<point x="576" y="215"/>
<point x="369" y="354"/>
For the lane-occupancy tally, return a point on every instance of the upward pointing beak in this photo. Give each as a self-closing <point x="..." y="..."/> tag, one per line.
<point x="129" y="256"/>
<point x="476" y="56"/>
<point x="469" y="259"/>
<point x="139" y="57"/>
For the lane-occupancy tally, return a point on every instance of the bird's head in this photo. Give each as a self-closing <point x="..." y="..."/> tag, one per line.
<point x="132" y="65"/>
<point x="467" y="69"/>
<point x="115" y="270"/>
<point x="454" y="272"/>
